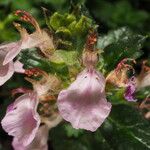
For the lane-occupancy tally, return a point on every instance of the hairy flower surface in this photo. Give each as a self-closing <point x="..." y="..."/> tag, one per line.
<point x="84" y="103"/>
<point x="39" y="142"/>
<point x="48" y="83"/>
<point x="22" y="120"/>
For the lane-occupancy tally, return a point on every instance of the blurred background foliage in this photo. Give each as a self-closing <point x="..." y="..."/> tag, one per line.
<point x="123" y="24"/>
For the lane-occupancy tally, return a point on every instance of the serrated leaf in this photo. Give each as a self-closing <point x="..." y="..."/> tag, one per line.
<point x="63" y="31"/>
<point x="56" y="20"/>
<point x="113" y="37"/>
<point x="120" y="44"/>
<point x="129" y="130"/>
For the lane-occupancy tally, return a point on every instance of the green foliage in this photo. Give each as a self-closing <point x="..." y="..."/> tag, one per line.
<point x="125" y="129"/>
<point x="70" y="58"/>
<point x="115" y="96"/>
<point x="120" y="44"/>
<point x="130" y="129"/>
<point x="72" y="28"/>
<point x="143" y="93"/>
<point x="119" y="14"/>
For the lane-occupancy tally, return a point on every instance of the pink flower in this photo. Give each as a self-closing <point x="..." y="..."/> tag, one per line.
<point x="39" y="142"/>
<point x="39" y="38"/>
<point x="7" y="71"/>
<point x="22" y="120"/>
<point x="84" y="104"/>
<point x="8" y="52"/>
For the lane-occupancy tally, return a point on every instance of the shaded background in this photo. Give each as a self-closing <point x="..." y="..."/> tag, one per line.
<point x="109" y="15"/>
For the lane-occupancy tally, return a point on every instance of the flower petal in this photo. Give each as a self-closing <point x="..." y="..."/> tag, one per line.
<point x="84" y="104"/>
<point x="22" y="121"/>
<point x="6" y="72"/>
<point x="130" y="90"/>
<point x="39" y="142"/>
<point x="14" y="50"/>
<point x="18" y="67"/>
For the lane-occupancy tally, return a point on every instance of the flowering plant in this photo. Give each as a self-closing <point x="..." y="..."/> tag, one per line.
<point x="76" y="76"/>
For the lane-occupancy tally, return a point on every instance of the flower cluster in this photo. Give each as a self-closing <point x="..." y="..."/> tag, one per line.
<point x="83" y="103"/>
<point x="23" y="120"/>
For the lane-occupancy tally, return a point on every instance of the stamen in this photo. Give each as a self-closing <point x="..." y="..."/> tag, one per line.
<point x="23" y="31"/>
<point x="25" y="16"/>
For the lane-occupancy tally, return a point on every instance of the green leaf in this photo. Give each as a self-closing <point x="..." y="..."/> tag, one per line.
<point x="120" y="44"/>
<point x="35" y="60"/>
<point x="71" y="132"/>
<point x="68" y="57"/>
<point x="83" y="25"/>
<point x="127" y="128"/>
<point x="56" y="20"/>
<point x="73" y="139"/>
<point x="63" y="31"/>
<point x="115" y="95"/>
<point x="142" y="93"/>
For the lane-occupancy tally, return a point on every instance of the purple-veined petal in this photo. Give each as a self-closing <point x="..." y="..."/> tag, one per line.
<point x="6" y="72"/>
<point x="84" y="104"/>
<point x="22" y="120"/>
<point x="39" y="142"/>
<point x="18" y="66"/>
